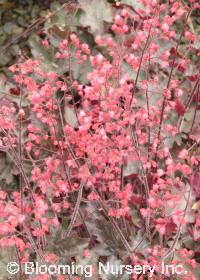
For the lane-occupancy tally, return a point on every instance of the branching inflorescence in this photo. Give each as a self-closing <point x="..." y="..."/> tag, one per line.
<point x="126" y="154"/>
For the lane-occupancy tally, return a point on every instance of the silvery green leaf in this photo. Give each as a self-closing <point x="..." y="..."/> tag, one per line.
<point x="95" y="13"/>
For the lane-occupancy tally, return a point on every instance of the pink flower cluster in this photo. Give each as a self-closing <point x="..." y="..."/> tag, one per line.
<point x="122" y="154"/>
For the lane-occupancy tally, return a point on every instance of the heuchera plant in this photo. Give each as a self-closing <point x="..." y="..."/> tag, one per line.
<point x="118" y="150"/>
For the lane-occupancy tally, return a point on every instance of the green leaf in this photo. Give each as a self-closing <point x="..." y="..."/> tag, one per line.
<point x="70" y="116"/>
<point x="134" y="3"/>
<point x="6" y="255"/>
<point x="80" y="71"/>
<point x="95" y="13"/>
<point x="72" y="246"/>
<point x="38" y="50"/>
<point x="132" y="167"/>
